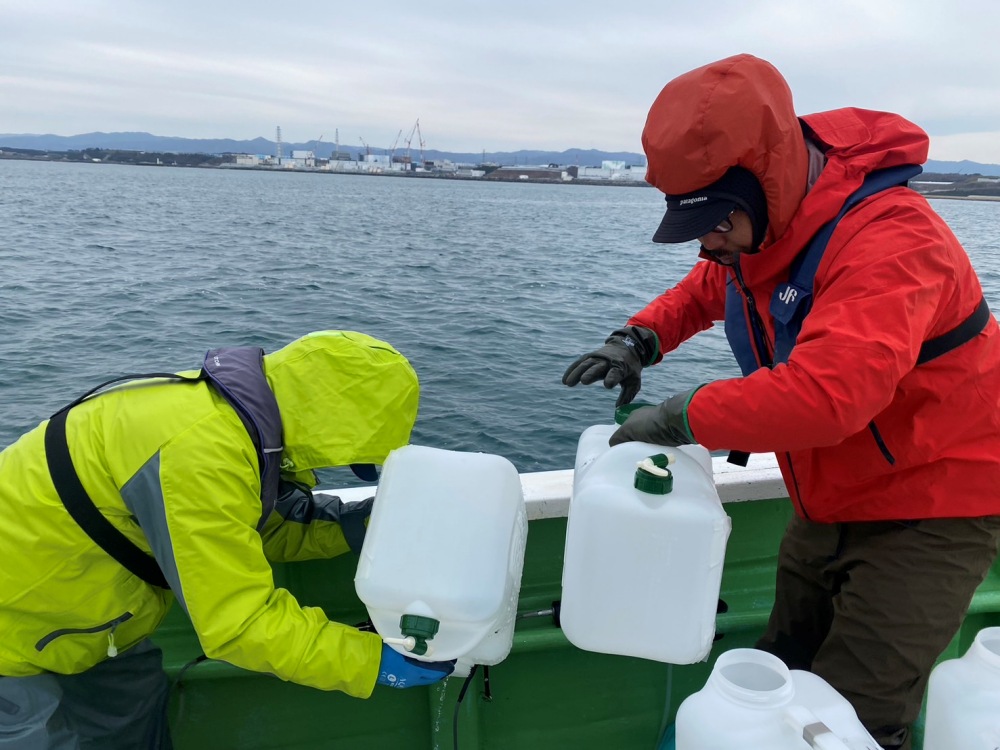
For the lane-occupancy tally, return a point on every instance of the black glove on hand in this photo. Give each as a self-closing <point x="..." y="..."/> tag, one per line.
<point x="621" y="359"/>
<point x="666" y="424"/>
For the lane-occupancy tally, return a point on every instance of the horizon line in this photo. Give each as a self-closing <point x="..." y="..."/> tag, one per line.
<point x="384" y="148"/>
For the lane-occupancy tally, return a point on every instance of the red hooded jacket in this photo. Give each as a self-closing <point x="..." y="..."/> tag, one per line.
<point x="893" y="276"/>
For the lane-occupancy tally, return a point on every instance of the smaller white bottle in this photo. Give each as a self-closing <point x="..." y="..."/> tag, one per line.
<point x="963" y="698"/>
<point x="752" y="701"/>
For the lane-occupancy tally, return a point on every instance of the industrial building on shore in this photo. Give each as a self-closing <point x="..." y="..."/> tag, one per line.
<point x="384" y="164"/>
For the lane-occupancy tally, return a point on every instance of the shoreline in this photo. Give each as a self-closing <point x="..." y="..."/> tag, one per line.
<point x="936" y="195"/>
<point x="424" y="175"/>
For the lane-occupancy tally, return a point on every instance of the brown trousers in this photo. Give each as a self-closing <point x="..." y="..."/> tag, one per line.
<point x="870" y="606"/>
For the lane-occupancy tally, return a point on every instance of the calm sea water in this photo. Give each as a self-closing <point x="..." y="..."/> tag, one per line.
<point x="489" y="289"/>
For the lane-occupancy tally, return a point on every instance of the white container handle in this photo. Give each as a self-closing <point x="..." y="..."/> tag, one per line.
<point x="810" y="728"/>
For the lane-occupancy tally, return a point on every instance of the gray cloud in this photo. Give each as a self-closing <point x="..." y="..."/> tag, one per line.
<point x="480" y="75"/>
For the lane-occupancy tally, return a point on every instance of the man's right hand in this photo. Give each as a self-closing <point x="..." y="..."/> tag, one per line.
<point x="620" y="361"/>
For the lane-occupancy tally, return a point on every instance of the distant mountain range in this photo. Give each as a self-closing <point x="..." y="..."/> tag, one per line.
<point x="263" y="146"/>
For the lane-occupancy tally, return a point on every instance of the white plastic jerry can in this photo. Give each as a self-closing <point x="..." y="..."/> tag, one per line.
<point x="645" y="545"/>
<point x="440" y="568"/>
<point x="963" y="698"/>
<point x="752" y="701"/>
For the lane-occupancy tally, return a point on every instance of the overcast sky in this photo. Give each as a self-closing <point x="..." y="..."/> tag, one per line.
<point x="494" y="76"/>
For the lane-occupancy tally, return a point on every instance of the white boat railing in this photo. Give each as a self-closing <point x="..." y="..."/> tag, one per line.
<point x="547" y="493"/>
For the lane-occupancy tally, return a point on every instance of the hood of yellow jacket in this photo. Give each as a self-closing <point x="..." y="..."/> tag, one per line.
<point x="345" y="398"/>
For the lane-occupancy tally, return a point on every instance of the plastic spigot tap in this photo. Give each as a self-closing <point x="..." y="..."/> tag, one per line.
<point x="410" y="644"/>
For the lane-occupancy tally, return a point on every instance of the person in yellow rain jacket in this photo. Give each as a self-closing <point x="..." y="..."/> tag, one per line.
<point x="185" y="487"/>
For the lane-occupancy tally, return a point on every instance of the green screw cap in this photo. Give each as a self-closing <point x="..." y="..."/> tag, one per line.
<point x="421" y="629"/>
<point x="653" y="476"/>
<point x="622" y="412"/>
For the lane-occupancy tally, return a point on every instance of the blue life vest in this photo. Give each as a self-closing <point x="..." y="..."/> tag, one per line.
<point x="792" y="300"/>
<point x="237" y="374"/>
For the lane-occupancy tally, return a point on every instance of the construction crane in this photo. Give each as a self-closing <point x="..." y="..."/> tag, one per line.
<point x="409" y="139"/>
<point x="392" y="151"/>
<point x="422" y="144"/>
<point x="368" y="150"/>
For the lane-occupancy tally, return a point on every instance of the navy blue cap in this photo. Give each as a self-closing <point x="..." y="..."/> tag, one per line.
<point x="695" y="214"/>
<point x="365" y="472"/>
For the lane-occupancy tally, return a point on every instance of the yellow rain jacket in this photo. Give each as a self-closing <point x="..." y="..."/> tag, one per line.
<point x="173" y="468"/>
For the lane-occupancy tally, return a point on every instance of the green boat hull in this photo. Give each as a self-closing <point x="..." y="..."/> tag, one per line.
<point x="546" y="694"/>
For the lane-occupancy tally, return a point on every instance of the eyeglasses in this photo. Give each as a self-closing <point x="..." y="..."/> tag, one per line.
<point x="726" y="225"/>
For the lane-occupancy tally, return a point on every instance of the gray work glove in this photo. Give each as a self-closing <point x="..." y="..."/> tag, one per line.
<point x="666" y="424"/>
<point x="620" y="361"/>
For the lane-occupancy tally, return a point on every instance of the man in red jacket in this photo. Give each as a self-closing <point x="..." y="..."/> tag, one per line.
<point x="871" y="369"/>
